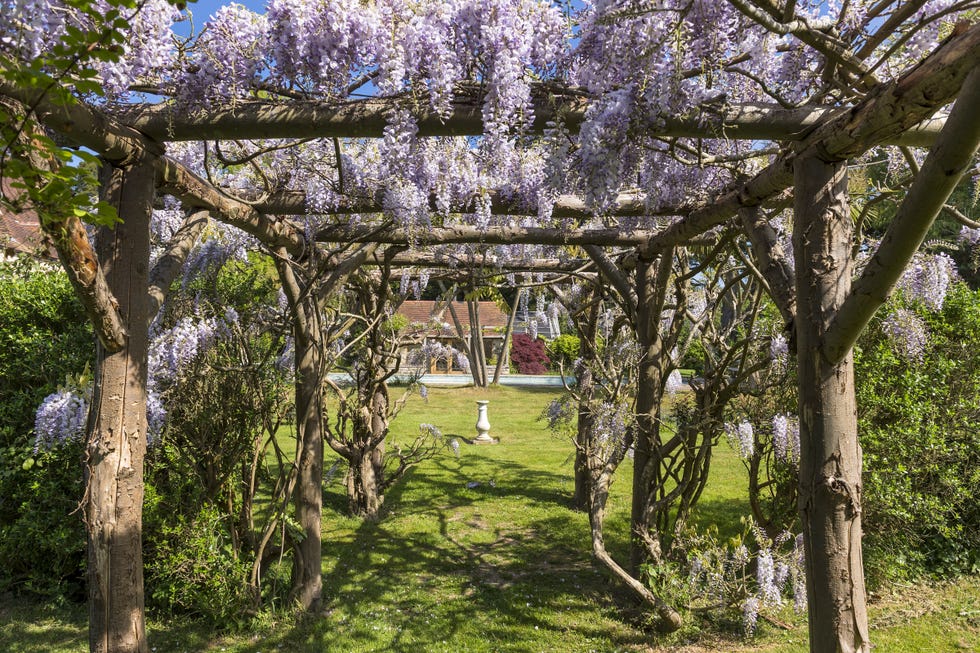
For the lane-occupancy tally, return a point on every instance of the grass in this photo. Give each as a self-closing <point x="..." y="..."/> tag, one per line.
<point x="483" y="553"/>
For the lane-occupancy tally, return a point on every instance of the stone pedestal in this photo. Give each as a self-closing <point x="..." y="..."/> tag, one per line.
<point x="482" y="424"/>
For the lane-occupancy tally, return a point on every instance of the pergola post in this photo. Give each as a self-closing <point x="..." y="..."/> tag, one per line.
<point x="830" y="455"/>
<point x="116" y="443"/>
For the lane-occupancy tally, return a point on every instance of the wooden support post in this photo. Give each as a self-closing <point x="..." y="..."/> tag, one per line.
<point x="116" y="443"/>
<point x="830" y="458"/>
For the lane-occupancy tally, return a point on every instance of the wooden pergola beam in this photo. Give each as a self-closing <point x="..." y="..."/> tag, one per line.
<point x="294" y="202"/>
<point x="367" y="118"/>
<point x="495" y="235"/>
<point x="481" y="264"/>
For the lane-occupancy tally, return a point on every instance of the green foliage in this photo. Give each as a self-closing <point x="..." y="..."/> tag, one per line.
<point x="396" y="323"/>
<point x="564" y="349"/>
<point x="58" y="181"/>
<point x="195" y="570"/>
<point x="203" y="479"/>
<point x="694" y="357"/>
<point x="44" y="337"/>
<point x="918" y="427"/>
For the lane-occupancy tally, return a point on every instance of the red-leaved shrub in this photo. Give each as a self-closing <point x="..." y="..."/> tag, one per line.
<point x="529" y="356"/>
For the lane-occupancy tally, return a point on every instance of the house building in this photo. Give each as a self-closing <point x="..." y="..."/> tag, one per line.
<point x="20" y="233"/>
<point x="437" y="335"/>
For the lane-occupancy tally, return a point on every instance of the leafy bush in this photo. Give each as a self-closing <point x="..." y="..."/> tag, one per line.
<point x="918" y="425"/>
<point x="694" y="357"/>
<point x="917" y="378"/>
<point x="194" y="570"/>
<point x="45" y="338"/>
<point x="527" y="355"/>
<point x="564" y="349"/>
<point x="202" y="532"/>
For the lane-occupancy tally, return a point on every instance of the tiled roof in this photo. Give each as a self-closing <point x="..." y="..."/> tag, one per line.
<point x="422" y="312"/>
<point x="19" y="232"/>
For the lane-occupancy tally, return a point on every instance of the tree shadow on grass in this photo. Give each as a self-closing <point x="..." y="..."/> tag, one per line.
<point x="445" y="573"/>
<point x="26" y="637"/>
<point x="725" y="514"/>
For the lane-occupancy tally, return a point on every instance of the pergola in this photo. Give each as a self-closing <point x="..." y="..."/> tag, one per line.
<point x="824" y="310"/>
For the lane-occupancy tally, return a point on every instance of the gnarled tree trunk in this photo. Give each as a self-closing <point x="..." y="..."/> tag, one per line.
<point x="117" y="426"/>
<point x="365" y="481"/>
<point x="307" y="575"/>
<point x="830" y="456"/>
<point x="651" y="282"/>
<point x="587" y="332"/>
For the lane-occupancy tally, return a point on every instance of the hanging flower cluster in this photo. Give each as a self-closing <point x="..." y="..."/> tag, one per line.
<point x="721" y="574"/>
<point x="60" y="418"/>
<point x="741" y="437"/>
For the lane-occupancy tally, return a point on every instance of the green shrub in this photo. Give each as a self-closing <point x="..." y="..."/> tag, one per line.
<point x="918" y="423"/>
<point x="564" y="349"/>
<point x="44" y="337"/>
<point x="202" y="520"/>
<point x="194" y="570"/>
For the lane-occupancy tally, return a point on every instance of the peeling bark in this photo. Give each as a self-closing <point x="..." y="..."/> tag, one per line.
<point x="117" y="428"/>
<point x="88" y="279"/>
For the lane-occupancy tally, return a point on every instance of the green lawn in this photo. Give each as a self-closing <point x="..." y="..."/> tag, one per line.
<point x="500" y="566"/>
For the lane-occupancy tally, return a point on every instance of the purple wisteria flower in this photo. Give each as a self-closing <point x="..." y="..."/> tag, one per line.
<point x="765" y="576"/>
<point x="558" y="412"/>
<point x="750" y="614"/>
<point x="779" y="350"/>
<point x="742" y="438"/>
<point x="60" y="418"/>
<point x="786" y="438"/>
<point x="907" y="333"/>
<point x="430" y="429"/>
<point x="970" y="236"/>
<point x="156" y="418"/>
<point x="928" y="279"/>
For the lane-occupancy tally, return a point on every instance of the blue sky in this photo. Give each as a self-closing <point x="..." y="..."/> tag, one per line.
<point x="202" y="10"/>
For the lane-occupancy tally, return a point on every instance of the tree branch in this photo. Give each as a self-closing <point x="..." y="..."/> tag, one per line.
<point x="87" y="277"/>
<point x="887" y="110"/>
<point x="168" y="265"/>
<point x="940" y="173"/>
<point x="614" y="275"/>
<point x="775" y="266"/>
<point x="196" y="193"/>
